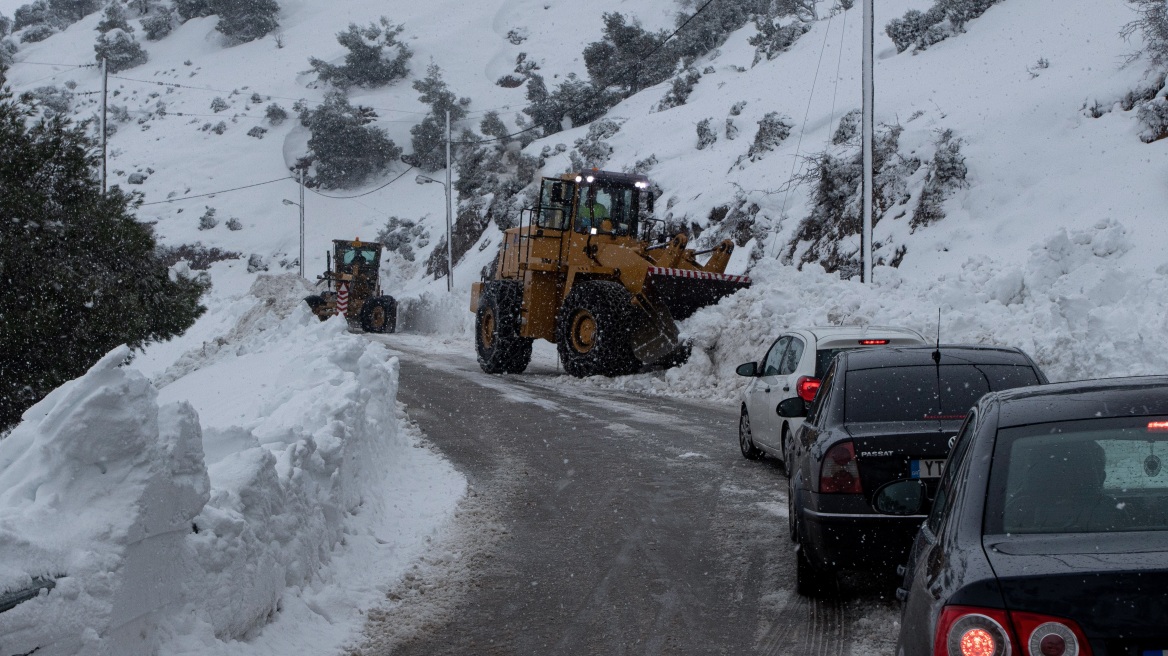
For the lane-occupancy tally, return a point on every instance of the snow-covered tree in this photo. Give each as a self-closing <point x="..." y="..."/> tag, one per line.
<point x="427" y="138"/>
<point x="625" y="59"/>
<point x="188" y="9"/>
<point x="119" y="49"/>
<point x="5" y="25"/>
<point x="160" y="24"/>
<point x="344" y="149"/>
<point x="574" y="100"/>
<point x="71" y="11"/>
<point x="34" y="13"/>
<point x="107" y="286"/>
<point x="114" y="18"/>
<point x="376" y="57"/>
<point x="246" y="20"/>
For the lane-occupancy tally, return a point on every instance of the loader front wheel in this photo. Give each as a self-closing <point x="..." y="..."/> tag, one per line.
<point x="594" y="329"/>
<point x="500" y="346"/>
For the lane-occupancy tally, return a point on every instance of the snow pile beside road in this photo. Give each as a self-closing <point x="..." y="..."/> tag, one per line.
<point x="253" y="505"/>
<point x="1075" y="306"/>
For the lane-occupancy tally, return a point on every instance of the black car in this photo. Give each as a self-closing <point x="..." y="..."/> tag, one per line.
<point x="1049" y="532"/>
<point x="881" y="415"/>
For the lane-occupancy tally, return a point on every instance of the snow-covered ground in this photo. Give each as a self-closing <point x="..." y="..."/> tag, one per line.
<point x="254" y="496"/>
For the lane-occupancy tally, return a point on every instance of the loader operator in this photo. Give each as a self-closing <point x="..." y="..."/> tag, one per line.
<point x="591" y="215"/>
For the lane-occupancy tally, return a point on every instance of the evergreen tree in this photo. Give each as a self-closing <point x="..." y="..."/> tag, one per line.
<point x="158" y="25"/>
<point x="427" y="137"/>
<point x="114" y="18"/>
<point x="119" y="49"/>
<point x="78" y="274"/>
<point x="71" y="11"/>
<point x="629" y="57"/>
<point x="246" y="20"/>
<point x="344" y="149"/>
<point x="5" y="25"/>
<point x="34" y="13"/>
<point x="376" y="57"/>
<point x="188" y="9"/>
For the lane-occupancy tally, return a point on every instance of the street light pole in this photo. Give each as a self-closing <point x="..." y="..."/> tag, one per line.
<point x="104" y="87"/>
<point x="449" y="212"/>
<point x="301" y="222"/>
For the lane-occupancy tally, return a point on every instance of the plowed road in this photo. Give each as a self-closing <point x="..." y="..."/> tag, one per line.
<point x="604" y="522"/>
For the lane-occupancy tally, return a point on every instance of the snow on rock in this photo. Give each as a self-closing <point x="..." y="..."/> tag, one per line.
<point x="261" y="483"/>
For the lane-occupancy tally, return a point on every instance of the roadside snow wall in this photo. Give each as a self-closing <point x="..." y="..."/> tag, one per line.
<point x="155" y="526"/>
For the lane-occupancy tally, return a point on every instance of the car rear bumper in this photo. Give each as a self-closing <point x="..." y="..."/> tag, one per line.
<point x="848" y="538"/>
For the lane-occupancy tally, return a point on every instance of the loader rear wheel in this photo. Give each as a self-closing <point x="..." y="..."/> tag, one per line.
<point x="594" y="329"/>
<point x="500" y="346"/>
<point x="379" y="315"/>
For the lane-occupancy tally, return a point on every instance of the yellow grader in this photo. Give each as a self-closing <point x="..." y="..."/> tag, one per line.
<point x="581" y="270"/>
<point x="354" y="282"/>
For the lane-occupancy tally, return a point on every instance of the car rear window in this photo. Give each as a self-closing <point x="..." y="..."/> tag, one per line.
<point x="1089" y="476"/>
<point x="823" y="359"/>
<point x="925" y="392"/>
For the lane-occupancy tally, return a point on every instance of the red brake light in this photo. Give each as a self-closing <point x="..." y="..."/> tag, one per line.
<point x="1158" y="426"/>
<point x="873" y="342"/>
<point x="839" y="473"/>
<point x="806" y="387"/>
<point x="972" y="631"/>
<point x="968" y="631"/>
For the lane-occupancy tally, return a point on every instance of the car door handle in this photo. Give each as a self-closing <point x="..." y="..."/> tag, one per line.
<point x="901" y="595"/>
<point x="767" y="390"/>
<point x="786" y="388"/>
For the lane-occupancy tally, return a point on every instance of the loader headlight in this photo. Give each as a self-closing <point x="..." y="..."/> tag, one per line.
<point x="593" y="231"/>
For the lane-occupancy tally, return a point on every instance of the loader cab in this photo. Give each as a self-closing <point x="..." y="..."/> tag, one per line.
<point x="366" y="255"/>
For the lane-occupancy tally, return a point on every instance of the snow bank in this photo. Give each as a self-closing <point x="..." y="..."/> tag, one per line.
<point x="187" y="519"/>
<point x="1072" y="306"/>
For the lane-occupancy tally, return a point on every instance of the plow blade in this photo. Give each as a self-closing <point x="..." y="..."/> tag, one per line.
<point x="684" y="291"/>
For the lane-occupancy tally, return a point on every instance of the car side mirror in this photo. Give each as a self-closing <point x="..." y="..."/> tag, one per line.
<point x="904" y="497"/>
<point x="750" y="369"/>
<point x="792" y="408"/>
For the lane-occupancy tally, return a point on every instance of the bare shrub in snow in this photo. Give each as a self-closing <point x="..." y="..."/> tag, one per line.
<point x="276" y="114"/>
<point x="1153" y="23"/>
<point x="197" y="256"/>
<point x="246" y="20"/>
<point x="679" y="91"/>
<point x="376" y="57"/>
<point x="119" y="49"/>
<point x="946" y="174"/>
<point x="849" y="128"/>
<point x="1153" y="115"/>
<point x="706" y="134"/>
<point x="344" y="149"/>
<point x="208" y="220"/>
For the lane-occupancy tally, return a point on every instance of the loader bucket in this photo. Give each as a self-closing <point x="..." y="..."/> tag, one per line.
<point x="684" y="291"/>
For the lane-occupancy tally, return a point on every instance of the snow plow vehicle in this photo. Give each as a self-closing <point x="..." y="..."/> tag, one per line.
<point x="354" y="287"/>
<point x="582" y="271"/>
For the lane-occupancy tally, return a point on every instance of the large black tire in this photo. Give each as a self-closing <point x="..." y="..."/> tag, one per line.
<point x="501" y="348"/>
<point x="594" y="330"/>
<point x="746" y="438"/>
<point x="379" y="315"/>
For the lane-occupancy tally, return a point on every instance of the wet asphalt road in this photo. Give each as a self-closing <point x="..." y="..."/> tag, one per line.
<point x="605" y="522"/>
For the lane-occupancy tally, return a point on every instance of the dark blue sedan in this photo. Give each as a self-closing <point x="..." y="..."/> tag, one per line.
<point x="1048" y="535"/>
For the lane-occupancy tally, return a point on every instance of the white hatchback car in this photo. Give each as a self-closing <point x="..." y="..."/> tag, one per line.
<point x="793" y="366"/>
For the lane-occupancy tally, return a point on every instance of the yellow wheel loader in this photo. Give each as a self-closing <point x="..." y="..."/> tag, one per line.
<point x="582" y="270"/>
<point x="354" y="287"/>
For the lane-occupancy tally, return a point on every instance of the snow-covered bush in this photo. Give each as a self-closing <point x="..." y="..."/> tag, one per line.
<point x="246" y="20"/>
<point x="37" y="33"/>
<point x="5" y="25"/>
<point x="160" y="24"/>
<point x="592" y="151"/>
<point x="344" y="149"/>
<point x="848" y="130"/>
<point x="376" y="57"/>
<point x="706" y="134"/>
<point x="946" y="174"/>
<point x="53" y="100"/>
<point x="1153" y="116"/>
<point x="575" y="101"/>
<point x="919" y="30"/>
<point x="774" y="39"/>
<point x="398" y="236"/>
<point x="218" y="104"/>
<point x="120" y="50"/>
<point x="275" y="114"/>
<point x="234" y="224"/>
<point x="7" y="50"/>
<point x="197" y="256"/>
<point x="772" y="130"/>
<point x="258" y="132"/>
<point x="188" y="9"/>
<point x="428" y="138"/>
<point x="208" y="220"/>
<point x="679" y="91"/>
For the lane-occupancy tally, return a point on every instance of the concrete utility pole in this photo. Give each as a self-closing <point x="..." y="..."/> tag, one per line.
<point x="869" y="135"/>
<point x="104" y="86"/>
<point x="449" y="212"/>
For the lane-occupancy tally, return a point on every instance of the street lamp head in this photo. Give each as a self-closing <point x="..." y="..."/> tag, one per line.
<point x="421" y="179"/>
<point x="288" y="202"/>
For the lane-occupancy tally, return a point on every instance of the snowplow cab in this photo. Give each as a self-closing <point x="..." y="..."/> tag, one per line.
<point x="591" y="270"/>
<point x="354" y="287"/>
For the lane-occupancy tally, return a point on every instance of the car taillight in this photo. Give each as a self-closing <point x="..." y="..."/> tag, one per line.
<point x="972" y="631"/>
<point x="1044" y="635"/>
<point x="839" y="473"/>
<point x="968" y="631"/>
<point x="806" y="387"/>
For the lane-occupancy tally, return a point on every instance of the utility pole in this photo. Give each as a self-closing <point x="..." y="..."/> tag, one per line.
<point x="302" y="222"/>
<point x="869" y="135"/>
<point x="449" y="221"/>
<point x="104" y="86"/>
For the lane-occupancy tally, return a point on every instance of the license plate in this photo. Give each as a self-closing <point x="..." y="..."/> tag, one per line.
<point x="927" y="468"/>
<point x="1155" y="652"/>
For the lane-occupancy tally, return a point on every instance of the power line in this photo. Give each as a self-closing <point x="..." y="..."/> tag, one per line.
<point x="395" y="179"/>
<point x="221" y="191"/>
<point x="32" y="63"/>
